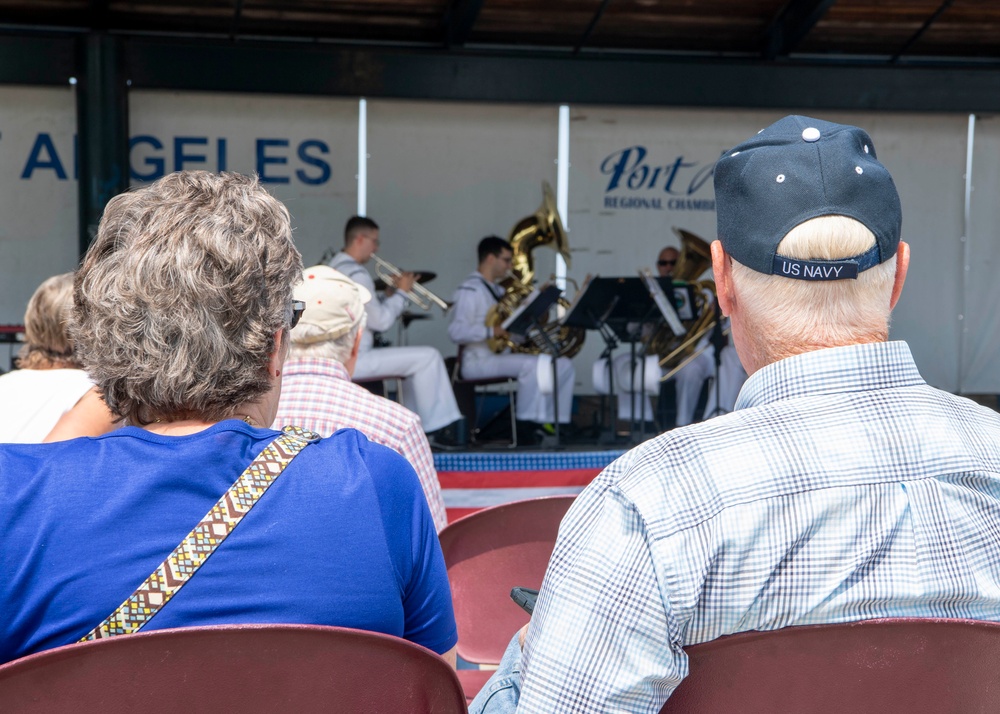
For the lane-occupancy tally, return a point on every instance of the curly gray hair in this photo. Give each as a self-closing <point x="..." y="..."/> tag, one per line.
<point x="178" y="299"/>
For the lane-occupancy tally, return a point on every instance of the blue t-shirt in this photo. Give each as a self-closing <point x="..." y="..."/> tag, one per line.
<point x="343" y="537"/>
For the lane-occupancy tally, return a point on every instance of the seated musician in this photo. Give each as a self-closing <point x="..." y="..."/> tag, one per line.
<point x="316" y="388"/>
<point x="472" y="300"/>
<point x="689" y="381"/>
<point x="182" y="310"/>
<point x="426" y="385"/>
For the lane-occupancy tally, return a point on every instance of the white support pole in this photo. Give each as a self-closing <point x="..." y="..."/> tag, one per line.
<point x="966" y="227"/>
<point x="362" y="157"/>
<point x="562" y="187"/>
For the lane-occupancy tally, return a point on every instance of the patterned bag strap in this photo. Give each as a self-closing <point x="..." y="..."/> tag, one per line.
<point x="171" y="575"/>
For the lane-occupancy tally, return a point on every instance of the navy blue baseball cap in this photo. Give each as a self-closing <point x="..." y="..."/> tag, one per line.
<point x="794" y="170"/>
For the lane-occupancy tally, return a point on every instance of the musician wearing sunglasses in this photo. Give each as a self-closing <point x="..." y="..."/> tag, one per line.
<point x="667" y="261"/>
<point x="678" y="397"/>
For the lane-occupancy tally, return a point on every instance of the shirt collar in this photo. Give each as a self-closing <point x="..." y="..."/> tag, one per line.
<point x="324" y="366"/>
<point x="855" y="368"/>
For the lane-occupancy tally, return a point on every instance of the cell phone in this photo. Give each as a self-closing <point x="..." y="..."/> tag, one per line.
<point x="525" y="598"/>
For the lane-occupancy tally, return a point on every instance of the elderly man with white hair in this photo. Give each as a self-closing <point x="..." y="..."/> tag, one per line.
<point x="317" y="392"/>
<point x="842" y="487"/>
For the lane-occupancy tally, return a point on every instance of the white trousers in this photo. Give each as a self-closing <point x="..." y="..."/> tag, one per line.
<point x="426" y="386"/>
<point x="693" y="376"/>
<point x="688" y="381"/>
<point x="622" y="368"/>
<point x="532" y="404"/>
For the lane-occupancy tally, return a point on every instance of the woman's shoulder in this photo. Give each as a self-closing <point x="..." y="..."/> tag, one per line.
<point x="351" y="446"/>
<point x="353" y="455"/>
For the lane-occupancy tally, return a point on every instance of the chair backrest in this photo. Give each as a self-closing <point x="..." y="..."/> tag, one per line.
<point x="887" y="666"/>
<point x="490" y="552"/>
<point x="234" y="668"/>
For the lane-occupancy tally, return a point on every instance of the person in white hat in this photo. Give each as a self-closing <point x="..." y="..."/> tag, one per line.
<point x="317" y="392"/>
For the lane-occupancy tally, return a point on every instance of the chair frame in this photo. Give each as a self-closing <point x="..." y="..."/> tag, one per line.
<point x="511" y="383"/>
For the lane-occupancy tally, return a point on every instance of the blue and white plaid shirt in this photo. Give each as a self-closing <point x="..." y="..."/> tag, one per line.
<point x="842" y="488"/>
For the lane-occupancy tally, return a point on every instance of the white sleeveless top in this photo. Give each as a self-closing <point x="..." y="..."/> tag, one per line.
<point x="33" y="400"/>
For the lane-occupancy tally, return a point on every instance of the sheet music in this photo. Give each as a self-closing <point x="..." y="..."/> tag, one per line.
<point x="665" y="306"/>
<point x="520" y="309"/>
<point x="576" y="299"/>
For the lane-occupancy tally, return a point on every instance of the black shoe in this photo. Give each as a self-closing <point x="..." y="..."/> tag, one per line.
<point x="453" y="436"/>
<point x="529" y="433"/>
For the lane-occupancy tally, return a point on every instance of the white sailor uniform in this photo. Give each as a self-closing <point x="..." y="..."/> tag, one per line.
<point x="426" y="387"/>
<point x="472" y="300"/>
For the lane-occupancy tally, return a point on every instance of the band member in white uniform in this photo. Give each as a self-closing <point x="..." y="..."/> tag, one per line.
<point x="472" y="300"/>
<point x="426" y="386"/>
<point x="691" y="378"/>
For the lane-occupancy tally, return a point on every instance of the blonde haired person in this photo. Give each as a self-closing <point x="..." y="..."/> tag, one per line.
<point x="182" y="309"/>
<point x="48" y="382"/>
<point x="841" y="488"/>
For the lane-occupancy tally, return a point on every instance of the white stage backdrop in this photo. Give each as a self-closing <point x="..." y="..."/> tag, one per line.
<point x="981" y="339"/>
<point x="443" y="175"/>
<point x="303" y="148"/>
<point x="38" y="193"/>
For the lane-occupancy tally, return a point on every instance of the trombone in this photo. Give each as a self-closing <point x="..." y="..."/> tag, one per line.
<point x="419" y="295"/>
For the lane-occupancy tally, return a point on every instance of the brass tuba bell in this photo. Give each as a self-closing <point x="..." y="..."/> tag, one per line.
<point x="542" y="228"/>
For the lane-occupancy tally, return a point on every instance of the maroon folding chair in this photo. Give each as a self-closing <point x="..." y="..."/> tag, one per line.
<point x="887" y="666"/>
<point x="249" y="669"/>
<point x="488" y="553"/>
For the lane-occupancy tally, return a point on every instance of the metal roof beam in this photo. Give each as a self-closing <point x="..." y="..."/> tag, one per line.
<point x="237" y="15"/>
<point x="923" y="28"/>
<point x="336" y="70"/>
<point x="459" y="21"/>
<point x="593" y="23"/>
<point x="792" y="23"/>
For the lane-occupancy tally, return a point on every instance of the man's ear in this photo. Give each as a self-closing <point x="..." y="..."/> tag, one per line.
<point x="352" y="359"/>
<point x="722" y="270"/>
<point x="902" y="265"/>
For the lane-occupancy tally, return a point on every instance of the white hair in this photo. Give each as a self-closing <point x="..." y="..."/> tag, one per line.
<point x="783" y="316"/>
<point x="339" y="348"/>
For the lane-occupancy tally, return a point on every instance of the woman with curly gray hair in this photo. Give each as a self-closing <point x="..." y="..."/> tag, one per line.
<point x="183" y="306"/>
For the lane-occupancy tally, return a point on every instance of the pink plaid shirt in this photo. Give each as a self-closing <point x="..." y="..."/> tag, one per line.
<point x="317" y="394"/>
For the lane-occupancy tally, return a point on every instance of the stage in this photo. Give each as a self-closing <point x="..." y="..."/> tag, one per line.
<point x="471" y="481"/>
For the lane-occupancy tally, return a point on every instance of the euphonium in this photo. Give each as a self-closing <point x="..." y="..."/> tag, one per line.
<point x="543" y="227"/>
<point x="675" y="351"/>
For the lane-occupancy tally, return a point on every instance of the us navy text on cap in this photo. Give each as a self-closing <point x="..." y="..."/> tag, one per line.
<point x="815" y="269"/>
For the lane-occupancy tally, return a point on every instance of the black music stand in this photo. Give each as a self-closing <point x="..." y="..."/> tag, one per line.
<point x="594" y="302"/>
<point x="526" y="321"/>
<point x="617" y="308"/>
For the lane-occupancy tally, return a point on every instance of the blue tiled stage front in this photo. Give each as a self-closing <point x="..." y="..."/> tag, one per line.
<point x="471" y="481"/>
